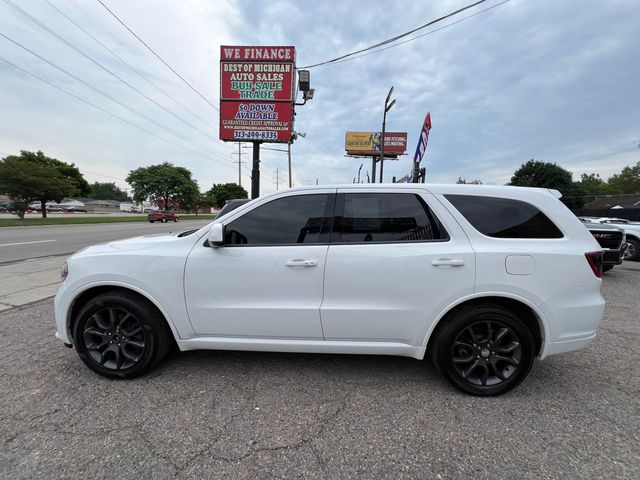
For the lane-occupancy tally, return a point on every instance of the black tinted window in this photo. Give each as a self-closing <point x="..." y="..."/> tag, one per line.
<point x="387" y="217"/>
<point x="288" y="220"/>
<point x="504" y="217"/>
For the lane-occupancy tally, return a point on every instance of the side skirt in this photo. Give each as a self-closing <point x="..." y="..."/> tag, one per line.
<point x="303" y="346"/>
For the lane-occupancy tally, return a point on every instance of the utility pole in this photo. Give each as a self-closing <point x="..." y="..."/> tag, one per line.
<point x="255" y="171"/>
<point x="277" y="179"/>
<point x="387" y="107"/>
<point x="289" y="154"/>
<point x="239" y="162"/>
<point x="373" y="169"/>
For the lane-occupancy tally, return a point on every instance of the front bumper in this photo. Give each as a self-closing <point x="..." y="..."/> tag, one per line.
<point x="61" y="306"/>
<point x="613" y="257"/>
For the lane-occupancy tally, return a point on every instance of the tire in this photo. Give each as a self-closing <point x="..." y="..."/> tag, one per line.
<point x="142" y="335"/>
<point x="176" y="219"/>
<point x="463" y="350"/>
<point x="164" y="220"/>
<point x="151" y="221"/>
<point x="606" y="268"/>
<point x="633" y="250"/>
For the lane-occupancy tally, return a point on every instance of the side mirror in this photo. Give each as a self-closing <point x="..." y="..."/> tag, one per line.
<point x="216" y="235"/>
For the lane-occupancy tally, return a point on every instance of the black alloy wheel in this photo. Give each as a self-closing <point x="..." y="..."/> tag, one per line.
<point x="486" y="353"/>
<point x="120" y="334"/>
<point x="483" y="350"/>
<point x="114" y="338"/>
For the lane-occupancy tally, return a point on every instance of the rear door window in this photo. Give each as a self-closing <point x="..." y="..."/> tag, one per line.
<point x="504" y="217"/>
<point x="385" y="217"/>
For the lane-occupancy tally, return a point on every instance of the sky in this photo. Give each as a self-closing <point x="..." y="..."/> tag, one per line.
<point x="556" y="81"/>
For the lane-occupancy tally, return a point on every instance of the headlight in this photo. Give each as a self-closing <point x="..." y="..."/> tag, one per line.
<point x="64" y="271"/>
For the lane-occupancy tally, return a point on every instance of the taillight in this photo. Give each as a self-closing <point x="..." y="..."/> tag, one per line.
<point x="595" y="262"/>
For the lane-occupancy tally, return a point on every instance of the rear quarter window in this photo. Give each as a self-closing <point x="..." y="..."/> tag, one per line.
<point x="504" y="217"/>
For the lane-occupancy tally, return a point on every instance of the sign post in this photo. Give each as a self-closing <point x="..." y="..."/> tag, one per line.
<point x="256" y="98"/>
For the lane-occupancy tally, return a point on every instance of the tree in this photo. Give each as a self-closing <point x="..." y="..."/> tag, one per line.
<point x="627" y="181"/>
<point x="203" y="200"/>
<point x="66" y="182"/>
<point x="107" y="191"/>
<point x="24" y="181"/>
<point x="227" y="191"/>
<point x="163" y="184"/>
<point x="43" y="179"/>
<point x="592" y="185"/>
<point x="549" y="175"/>
<point x="463" y="181"/>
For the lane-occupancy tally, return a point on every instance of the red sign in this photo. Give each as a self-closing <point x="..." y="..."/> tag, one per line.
<point x="256" y="81"/>
<point x="258" y="54"/>
<point x="256" y="93"/>
<point x="251" y="121"/>
<point x="395" y="143"/>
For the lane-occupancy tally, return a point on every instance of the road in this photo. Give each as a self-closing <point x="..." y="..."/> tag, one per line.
<point x="260" y="415"/>
<point x="20" y="243"/>
<point x="31" y="257"/>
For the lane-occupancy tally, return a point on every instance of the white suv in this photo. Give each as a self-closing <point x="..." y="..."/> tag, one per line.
<point x="484" y="278"/>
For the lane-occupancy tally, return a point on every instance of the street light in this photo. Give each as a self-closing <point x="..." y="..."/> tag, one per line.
<point x="387" y="107"/>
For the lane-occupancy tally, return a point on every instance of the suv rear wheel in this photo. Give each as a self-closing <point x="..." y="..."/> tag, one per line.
<point x="119" y="335"/>
<point x="483" y="350"/>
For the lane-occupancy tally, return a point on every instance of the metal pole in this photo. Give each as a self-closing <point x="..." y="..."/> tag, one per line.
<point x="277" y="180"/>
<point x="239" y="165"/>
<point x="255" y="171"/>
<point x="373" y="169"/>
<point x="384" y="124"/>
<point x="289" y="153"/>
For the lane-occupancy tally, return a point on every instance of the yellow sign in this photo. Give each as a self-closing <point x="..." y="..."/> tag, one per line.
<point x="362" y="142"/>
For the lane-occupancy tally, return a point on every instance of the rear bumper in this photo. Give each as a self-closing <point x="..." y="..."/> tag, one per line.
<point x="553" y="348"/>
<point x="574" y="316"/>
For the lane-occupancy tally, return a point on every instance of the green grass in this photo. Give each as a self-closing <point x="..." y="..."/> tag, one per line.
<point x="74" y="220"/>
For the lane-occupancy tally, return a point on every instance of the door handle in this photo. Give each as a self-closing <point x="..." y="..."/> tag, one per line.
<point x="448" y="262"/>
<point x="301" y="263"/>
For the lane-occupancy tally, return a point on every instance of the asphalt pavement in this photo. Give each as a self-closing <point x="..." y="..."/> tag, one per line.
<point x="20" y="243"/>
<point x="261" y="415"/>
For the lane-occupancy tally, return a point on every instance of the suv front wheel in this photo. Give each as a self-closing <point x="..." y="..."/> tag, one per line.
<point x="119" y="335"/>
<point x="483" y="350"/>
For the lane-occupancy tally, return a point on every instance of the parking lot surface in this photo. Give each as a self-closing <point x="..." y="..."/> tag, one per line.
<point x="258" y="415"/>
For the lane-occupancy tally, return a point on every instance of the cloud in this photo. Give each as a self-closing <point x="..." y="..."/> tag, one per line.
<point x="554" y="81"/>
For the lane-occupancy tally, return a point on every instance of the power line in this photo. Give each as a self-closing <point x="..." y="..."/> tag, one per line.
<point x="106" y="95"/>
<point x="108" y="112"/>
<point x="140" y="74"/>
<point x="70" y="45"/>
<point x="157" y="56"/>
<point x="393" y="39"/>
<point x="423" y="35"/>
<point x="103" y="175"/>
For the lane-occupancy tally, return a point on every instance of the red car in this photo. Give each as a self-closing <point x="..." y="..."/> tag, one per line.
<point x="163" y="217"/>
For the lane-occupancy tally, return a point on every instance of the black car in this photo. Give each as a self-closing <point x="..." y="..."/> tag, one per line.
<point x="612" y="240"/>
<point x="231" y="205"/>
